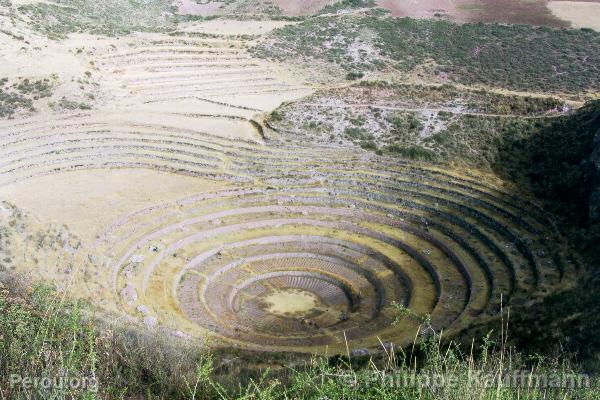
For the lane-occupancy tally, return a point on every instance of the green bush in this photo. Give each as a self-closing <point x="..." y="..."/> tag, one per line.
<point x="353" y="75"/>
<point x="413" y="152"/>
<point x="276" y="116"/>
<point x="356" y="133"/>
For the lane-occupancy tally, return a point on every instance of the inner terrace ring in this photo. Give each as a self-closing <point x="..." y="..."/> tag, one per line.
<point x="330" y="280"/>
<point x="230" y="301"/>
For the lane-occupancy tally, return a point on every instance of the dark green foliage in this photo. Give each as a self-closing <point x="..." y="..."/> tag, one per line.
<point x="352" y="76"/>
<point x="513" y="56"/>
<point x="37" y="89"/>
<point x="413" y="152"/>
<point x="475" y="139"/>
<point x="553" y="160"/>
<point x="10" y="102"/>
<point x="276" y="116"/>
<point x="67" y="104"/>
<point x="368" y="145"/>
<point x="357" y="134"/>
<point x="405" y="122"/>
<point x="19" y="96"/>
<point x="347" y="4"/>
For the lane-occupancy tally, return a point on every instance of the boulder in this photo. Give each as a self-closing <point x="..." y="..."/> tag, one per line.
<point x="150" y="321"/>
<point x="359" y="353"/>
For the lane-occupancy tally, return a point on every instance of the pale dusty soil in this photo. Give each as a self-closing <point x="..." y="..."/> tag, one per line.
<point x="88" y="201"/>
<point x="419" y="8"/>
<point x="232" y="27"/>
<point x="285" y="302"/>
<point x="581" y="14"/>
<point x="302" y="7"/>
<point x="190" y="7"/>
<point x="536" y="12"/>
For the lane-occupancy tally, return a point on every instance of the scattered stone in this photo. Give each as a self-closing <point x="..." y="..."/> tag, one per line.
<point x="142" y="309"/>
<point x="180" y="334"/>
<point x="388" y="346"/>
<point x="137" y="259"/>
<point x="129" y="294"/>
<point x="359" y="352"/>
<point x="150" y="322"/>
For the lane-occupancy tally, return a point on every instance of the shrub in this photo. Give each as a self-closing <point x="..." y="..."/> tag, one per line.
<point x="413" y="152"/>
<point x="352" y="76"/>
<point x="276" y="116"/>
<point x="513" y="56"/>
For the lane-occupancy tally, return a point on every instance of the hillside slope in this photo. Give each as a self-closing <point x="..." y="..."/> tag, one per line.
<point x="561" y="163"/>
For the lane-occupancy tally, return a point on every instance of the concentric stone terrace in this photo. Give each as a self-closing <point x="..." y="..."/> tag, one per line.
<point x="322" y="249"/>
<point x="299" y="247"/>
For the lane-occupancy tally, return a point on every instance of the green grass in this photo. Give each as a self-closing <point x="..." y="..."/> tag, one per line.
<point x="42" y="334"/>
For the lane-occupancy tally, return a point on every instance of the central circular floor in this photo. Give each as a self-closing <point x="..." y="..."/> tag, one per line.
<point x="291" y="302"/>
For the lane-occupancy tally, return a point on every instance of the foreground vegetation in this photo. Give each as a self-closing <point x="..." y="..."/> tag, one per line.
<point x="44" y="335"/>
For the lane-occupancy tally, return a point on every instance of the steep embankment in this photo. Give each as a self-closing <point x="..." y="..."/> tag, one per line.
<point x="560" y="163"/>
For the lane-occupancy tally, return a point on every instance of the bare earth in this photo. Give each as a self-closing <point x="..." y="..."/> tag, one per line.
<point x="581" y="14"/>
<point x="537" y="12"/>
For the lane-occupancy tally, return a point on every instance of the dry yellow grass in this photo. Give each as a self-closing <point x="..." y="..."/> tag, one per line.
<point x="581" y="14"/>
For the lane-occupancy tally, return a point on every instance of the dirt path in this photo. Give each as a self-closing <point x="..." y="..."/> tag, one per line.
<point x="430" y="110"/>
